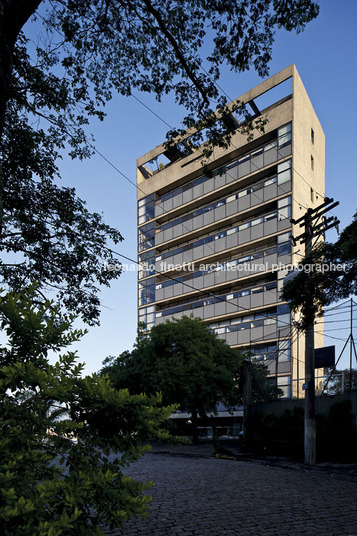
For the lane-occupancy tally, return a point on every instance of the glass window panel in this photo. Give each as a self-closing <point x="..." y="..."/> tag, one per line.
<point x="284" y="355"/>
<point x="284" y="202"/>
<point x="283" y="309"/>
<point x="270" y="286"/>
<point x="270" y="181"/>
<point x="257" y="323"/>
<point x="284" y="138"/>
<point x="270" y="145"/>
<point x="285" y="237"/>
<point x="283" y="380"/>
<point x="258" y="186"/>
<point x="257" y="290"/>
<point x="284" y="166"/>
<point x="256" y="222"/>
<point x="270" y="216"/>
<point x="284" y="176"/>
<point x="284" y="249"/>
<point x="283" y="320"/>
<point x="284" y="213"/>
<point x="283" y="130"/>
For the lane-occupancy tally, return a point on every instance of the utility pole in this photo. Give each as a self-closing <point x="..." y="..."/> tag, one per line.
<point x="351" y="343"/>
<point x="312" y="229"/>
<point x="310" y="417"/>
<point x="247" y="392"/>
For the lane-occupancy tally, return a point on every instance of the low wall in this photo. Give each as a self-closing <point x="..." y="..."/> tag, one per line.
<point x="323" y="404"/>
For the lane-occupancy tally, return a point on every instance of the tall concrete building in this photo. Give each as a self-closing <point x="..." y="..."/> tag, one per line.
<point x="217" y="245"/>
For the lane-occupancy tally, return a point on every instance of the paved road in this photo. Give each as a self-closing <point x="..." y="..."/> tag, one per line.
<point x="209" y="497"/>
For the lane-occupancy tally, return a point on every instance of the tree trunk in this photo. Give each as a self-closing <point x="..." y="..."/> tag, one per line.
<point x="194" y="427"/>
<point x="13" y="15"/>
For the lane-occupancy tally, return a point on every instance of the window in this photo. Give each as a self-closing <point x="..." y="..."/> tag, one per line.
<point x="284" y="249"/>
<point x="146" y="208"/>
<point x="256" y="222"/>
<point x="257" y="290"/>
<point x="285" y="237"/>
<point x="284" y="172"/>
<point x="147" y="316"/>
<point x="147" y="291"/>
<point x="312" y="136"/>
<point x="284" y="208"/>
<point x="312" y="163"/>
<point x="283" y="320"/>
<point x="283" y="383"/>
<point x="284" y="135"/>
<point x="270" y="181"/>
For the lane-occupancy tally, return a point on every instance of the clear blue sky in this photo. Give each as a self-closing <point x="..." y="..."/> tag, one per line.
<point x="325" y="56"/>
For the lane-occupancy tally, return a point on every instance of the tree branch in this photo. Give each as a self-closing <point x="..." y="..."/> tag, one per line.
<point x="177" y="50"/>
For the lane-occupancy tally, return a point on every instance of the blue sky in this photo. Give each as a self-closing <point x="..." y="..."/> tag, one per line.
<point x="325" y="56"/>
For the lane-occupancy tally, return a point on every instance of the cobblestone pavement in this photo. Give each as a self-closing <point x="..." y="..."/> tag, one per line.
<point x="210" y="497"/>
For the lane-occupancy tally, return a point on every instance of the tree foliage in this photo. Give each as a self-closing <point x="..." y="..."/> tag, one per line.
<point x="47" y="232"/>
<point x="320" y="278"/>
<point x="86" y="51"/>
<point x="185" y="362"/>
<point x="264" y="389"/>
<point x="65" y="439"/>
<point x="340" y="381"/>
<point x="156" y="47"/>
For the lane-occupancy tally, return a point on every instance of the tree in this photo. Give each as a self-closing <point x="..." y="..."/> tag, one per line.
<point x="185" y="362"/>
<point x="47" y="232"/>
<point x="151" y="46"/>
<point x="264" y="389"/>
<point x="340" y="381"/>
<point x="48" y="92"/>
<point x="328" y="274"/>
<point x="64" y="439"/>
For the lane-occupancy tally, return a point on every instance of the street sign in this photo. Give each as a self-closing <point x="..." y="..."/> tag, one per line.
<point x="325" y="357"/>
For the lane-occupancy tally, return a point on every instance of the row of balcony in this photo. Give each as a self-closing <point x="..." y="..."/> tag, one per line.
<point x="267" y="156"/>
<point x="220" y="277"/>
<point x="248" y="336"/>
<point x="224" y="243"/>
<point x="226" y="210"/>
<point x="225" y="306"/>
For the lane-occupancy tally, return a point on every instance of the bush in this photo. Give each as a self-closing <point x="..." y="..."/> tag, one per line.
<point x="64" y="439"/>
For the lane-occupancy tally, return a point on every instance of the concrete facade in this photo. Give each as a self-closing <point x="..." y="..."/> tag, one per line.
<point x="218" y="246"/>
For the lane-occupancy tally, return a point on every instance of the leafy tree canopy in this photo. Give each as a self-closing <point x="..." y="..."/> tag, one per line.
<point x="185" y="362"/>
<point x="321" y="280"/>
<point x="65" y="440"/>
<point x="87" y="50"/>
<point x="264" y="389"/>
